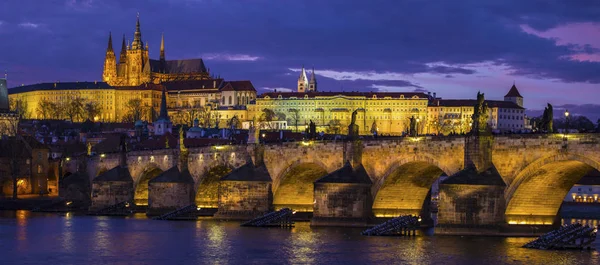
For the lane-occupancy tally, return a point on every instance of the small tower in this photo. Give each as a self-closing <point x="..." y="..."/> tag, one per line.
<point x="123" y="57"/>
<point x="302" y="81"/>
<point x="110" y="62"/>
<point x="163" y="123"/>
<point x="163" y="61"/>
<point x="4" y="106"/>
<point x="513" y="95"/>
<point x="312" y="85"/>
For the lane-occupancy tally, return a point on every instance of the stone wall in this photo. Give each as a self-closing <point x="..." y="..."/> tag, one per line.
<point x="342" y="200"/>
<point x="471" y="205"/>
<point x="107" y="193"/>
<point x="244" y="199"/>
<point x="167" y="196"/>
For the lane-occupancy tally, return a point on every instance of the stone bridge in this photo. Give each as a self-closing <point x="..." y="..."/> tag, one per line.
<point x="537" y="170"/>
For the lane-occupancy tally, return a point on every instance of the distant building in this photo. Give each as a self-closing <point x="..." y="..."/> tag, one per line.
<point x="28" y="159"/>
<point x="332" y="111"/>
<point x="586" y="190"/>
<point x="455" y="115"/>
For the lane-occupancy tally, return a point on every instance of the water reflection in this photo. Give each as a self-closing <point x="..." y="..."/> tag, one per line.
<point x="304" y="245"/>
<point x="67" y="236"/>
<point x="31" y="238"/>
<point x="22" y="217"/>
<point x="102" y="235"/>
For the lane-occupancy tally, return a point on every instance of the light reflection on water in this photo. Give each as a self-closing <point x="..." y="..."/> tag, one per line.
<point x="32" y="238"/>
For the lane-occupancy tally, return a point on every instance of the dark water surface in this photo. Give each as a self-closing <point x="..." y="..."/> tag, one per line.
<point x="31" y="238"/>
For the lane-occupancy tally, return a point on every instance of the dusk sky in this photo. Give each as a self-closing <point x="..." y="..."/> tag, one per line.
<point x="551" y="49"/>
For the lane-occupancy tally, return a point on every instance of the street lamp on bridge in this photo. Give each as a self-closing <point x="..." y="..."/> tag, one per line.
<point x="566" y="122"/>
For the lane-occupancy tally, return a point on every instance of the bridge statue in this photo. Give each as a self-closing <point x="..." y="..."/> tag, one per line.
<point x="353" y="127"/>
<point x="546" y="124"/>
<point x="480" y="116"/>
<point x="89" y="149"/>
<point x="413" y="127"/>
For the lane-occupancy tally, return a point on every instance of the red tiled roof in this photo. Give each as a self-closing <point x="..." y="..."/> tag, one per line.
<point x="513" y="92"/>
<point x="473" y="102"/>
<point x="381" y="95"/>
<point x="244" y="85"/>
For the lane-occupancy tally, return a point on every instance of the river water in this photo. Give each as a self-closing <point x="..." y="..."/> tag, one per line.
<point x="32" y="238"/>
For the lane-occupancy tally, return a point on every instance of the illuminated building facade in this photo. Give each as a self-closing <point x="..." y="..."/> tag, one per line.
<point x="136" y="78"/>
<point x="446" y="116"/>
<point x="135" y="66"/>
<point x="386" y="112"/>
<point x="332" y="111"/>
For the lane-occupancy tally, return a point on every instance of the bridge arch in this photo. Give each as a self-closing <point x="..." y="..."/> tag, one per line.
<point x="141" y="183"/>
<point x="536" y="194"/>
<point x="294" y="188"/>
<point x="405" y="186"/>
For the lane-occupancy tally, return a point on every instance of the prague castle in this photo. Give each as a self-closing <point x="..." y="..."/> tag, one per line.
<point x="135" y="66"/>
<point x="132" y="88"/>
<point x="134" y="84"/>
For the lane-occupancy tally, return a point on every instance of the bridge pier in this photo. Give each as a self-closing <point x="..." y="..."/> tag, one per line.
<point x="343" y="198"/>
<point x="245" y="193"/>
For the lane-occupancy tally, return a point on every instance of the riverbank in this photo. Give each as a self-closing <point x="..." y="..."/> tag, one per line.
<point x="25" y="202"/>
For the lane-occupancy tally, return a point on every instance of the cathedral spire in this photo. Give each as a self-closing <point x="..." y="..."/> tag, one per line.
<point x="162" y="47"/>
<point x="163" y="106"/>
<point x="123" y="51"/>
<point x="137" y="36"/>
<point x="302" y="81"/>
<point x="110" y="46"/>
<point x="312" y="85"/>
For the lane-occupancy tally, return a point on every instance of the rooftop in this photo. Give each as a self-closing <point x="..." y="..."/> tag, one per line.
<point x="513" y="92"/>
<point x="379" y="95"/>
<point x="473" y="102"/>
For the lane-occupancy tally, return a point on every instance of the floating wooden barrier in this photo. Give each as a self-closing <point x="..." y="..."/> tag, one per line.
<point x="281" y="218"/>
<point x="405" y="225"/>
<point x="573" y="236"/>
<point x="184" y="213"/>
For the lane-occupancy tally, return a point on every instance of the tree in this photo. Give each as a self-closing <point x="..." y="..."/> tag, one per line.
<point x="335" y="126"/>
<point x="134" y="110"/>
<point x="295" y="117"/>
<point x="204" y="117"/>
<point x="266" y="119"/>
<point x="91" y="110"/>
<point x="44" y="109"/>
<point x="598" y="125"/>
<point x="74" y="108"/>
<point x="19" y="106"/>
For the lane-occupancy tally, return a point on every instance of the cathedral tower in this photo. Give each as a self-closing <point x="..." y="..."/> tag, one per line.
<point x="110" y="62"/>
<point x="312" y="85"/>
<point x="302" y="81"/>
<point x="138" y="63"/>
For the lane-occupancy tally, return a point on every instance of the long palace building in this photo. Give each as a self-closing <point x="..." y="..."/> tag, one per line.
<point x="189" y="86"/>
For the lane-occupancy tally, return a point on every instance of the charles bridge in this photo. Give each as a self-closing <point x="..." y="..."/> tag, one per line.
<point x="494" y="180"/>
